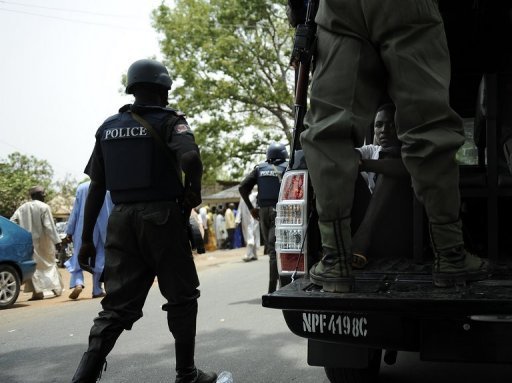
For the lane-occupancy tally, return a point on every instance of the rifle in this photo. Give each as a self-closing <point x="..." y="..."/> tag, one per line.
<point x="302" y="56"/>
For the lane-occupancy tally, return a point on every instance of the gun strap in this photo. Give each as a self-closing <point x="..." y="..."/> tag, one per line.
<point x="160" y="142"/>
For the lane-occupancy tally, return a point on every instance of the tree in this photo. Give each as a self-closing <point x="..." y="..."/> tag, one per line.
<point x="18" y="173"/>
<point x="230" y="62"/>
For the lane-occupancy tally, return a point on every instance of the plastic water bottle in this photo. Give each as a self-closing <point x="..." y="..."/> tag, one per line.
<point x="225" y="377"/>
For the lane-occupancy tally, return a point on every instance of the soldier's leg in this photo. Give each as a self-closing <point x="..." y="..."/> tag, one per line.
<point x="169" y="254"/>
<point x="346" y="89"/>
<point x="268" y="229"/>
<point x="273" y="272"/>
<point x="127" y="282"/>
<point x="416" y="57"/>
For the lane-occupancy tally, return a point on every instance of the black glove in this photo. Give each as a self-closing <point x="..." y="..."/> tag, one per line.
<point x="191" y="199"/>
<point x="296" y="12"/>
<point x="87" y="257"/>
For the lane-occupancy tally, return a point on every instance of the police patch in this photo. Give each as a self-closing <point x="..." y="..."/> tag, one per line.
<point x="182" y="128"/>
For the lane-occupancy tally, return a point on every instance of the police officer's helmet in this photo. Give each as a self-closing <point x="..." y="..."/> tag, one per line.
<point x="149" y="72"/>
<point x="276" y="151"/>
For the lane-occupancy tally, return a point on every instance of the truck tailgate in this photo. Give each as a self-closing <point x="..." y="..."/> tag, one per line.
<point x="409" y="293"/>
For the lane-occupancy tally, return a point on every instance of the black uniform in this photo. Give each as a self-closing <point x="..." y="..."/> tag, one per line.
<point x="146" y="235"/>
<point x="268" y="178"/>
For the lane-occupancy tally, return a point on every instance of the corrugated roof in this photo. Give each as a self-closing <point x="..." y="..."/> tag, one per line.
<point x="225" y="196"/>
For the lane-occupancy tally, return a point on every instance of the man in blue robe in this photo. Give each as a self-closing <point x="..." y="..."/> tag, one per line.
<point x="74" y="233"/>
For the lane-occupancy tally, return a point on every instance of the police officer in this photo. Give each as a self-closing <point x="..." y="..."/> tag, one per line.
<point x="364" y="50"/>
<point x="267" y="176"/>
<point x="146" y="235"/>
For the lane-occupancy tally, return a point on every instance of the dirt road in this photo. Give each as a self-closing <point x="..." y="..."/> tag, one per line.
<point x="202" y="261"/>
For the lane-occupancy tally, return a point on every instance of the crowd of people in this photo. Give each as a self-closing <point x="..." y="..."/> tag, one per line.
<point x="222" y="227"/>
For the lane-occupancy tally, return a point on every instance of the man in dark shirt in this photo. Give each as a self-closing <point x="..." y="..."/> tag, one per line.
<point x="267" y="176"/>
<point x="139" y="155"/>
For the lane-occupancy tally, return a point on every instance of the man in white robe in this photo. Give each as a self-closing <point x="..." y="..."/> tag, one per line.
<point x="36" y="217"/>
<point x="250" y="227"/>
<point x="74" y="233"/>
<point x="220" y="228"/>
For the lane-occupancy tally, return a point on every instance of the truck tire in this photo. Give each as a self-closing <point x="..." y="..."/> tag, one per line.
<point x="9" y="286"/>
<point x="357" y="375"/>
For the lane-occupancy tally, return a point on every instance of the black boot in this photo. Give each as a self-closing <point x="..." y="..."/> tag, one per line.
<point x="90" y="368"/>
<point x="186" y="371"/>
<point x="197" y="376"/>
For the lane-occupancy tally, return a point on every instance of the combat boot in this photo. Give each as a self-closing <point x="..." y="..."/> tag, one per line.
<point x="196" y="376"/>
<point x="186" y="371"/>
<point x="453" y="264"/>
<point x="334" y="271"/>
<point x="458" y="266"/>
<point x="90" y="368"/>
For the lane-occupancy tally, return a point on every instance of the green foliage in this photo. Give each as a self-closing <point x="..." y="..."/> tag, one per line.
<point x="230" y="63"/>
<point x="18" y="173"/>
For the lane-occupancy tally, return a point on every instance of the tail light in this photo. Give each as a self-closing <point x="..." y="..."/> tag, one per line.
<point x="291" y="223"/>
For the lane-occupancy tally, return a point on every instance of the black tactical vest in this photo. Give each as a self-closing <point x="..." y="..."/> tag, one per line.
<point x="269" y="182"/>
<point x="136" y="168"/>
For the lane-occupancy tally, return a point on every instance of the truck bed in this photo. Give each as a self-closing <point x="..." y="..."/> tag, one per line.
<point x="399" y="285"/>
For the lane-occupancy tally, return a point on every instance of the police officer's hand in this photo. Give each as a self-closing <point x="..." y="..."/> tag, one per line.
<point x="87" y="257"/>
<point x="255" y="212"/>
<point x="191" y="199"/>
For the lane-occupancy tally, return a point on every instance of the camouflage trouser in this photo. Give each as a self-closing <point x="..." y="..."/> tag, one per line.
<point x="365" y="49"/>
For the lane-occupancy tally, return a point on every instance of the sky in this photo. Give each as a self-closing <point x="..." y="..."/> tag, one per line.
<point x="61" y="64"/>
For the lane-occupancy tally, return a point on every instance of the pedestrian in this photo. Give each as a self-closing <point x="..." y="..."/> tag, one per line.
<point x="267" y="175"/>
<point x="211" y="245"/>
<point x="229" y="219"/>
<point x="364" y="50"/>
<point x="137" y="156"/>
<point x="36" y="217"/>
<point x="220" y="228"/>
<point x="250" y="227"/>
<point x="74" y="229"/>
<point x="203" y="213"/>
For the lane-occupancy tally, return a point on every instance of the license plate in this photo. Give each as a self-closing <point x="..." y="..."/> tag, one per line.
<point x="350" y="325"/>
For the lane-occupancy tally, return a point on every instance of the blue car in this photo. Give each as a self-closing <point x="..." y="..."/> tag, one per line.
<point x="16" y="261"/>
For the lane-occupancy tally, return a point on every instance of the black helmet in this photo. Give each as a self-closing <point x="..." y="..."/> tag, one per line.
<point x="276" y="151"/>
<point x="147" y="71"/>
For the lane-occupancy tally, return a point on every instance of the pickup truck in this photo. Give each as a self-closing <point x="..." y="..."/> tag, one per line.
<point x="394" y="306"/>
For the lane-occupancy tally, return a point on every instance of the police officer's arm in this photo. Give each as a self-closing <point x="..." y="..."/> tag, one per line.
<point x="180" y="140"/>
<point x="96" y="194"/>
<point x="246" y="187"/>
<point x="92" y="209"/>
<point x="193" y="168"/>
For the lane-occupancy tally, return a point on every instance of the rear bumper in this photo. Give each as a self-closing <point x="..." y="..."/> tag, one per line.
<point x="407" y="315"/>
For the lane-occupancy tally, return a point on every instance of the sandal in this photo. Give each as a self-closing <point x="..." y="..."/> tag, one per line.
<point x="359" y="261"/>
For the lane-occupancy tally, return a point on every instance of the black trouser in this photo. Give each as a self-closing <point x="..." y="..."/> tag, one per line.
<point x="231" y="238"/>
<point x="268" y="230"/>
<point x="145" y="240"/>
